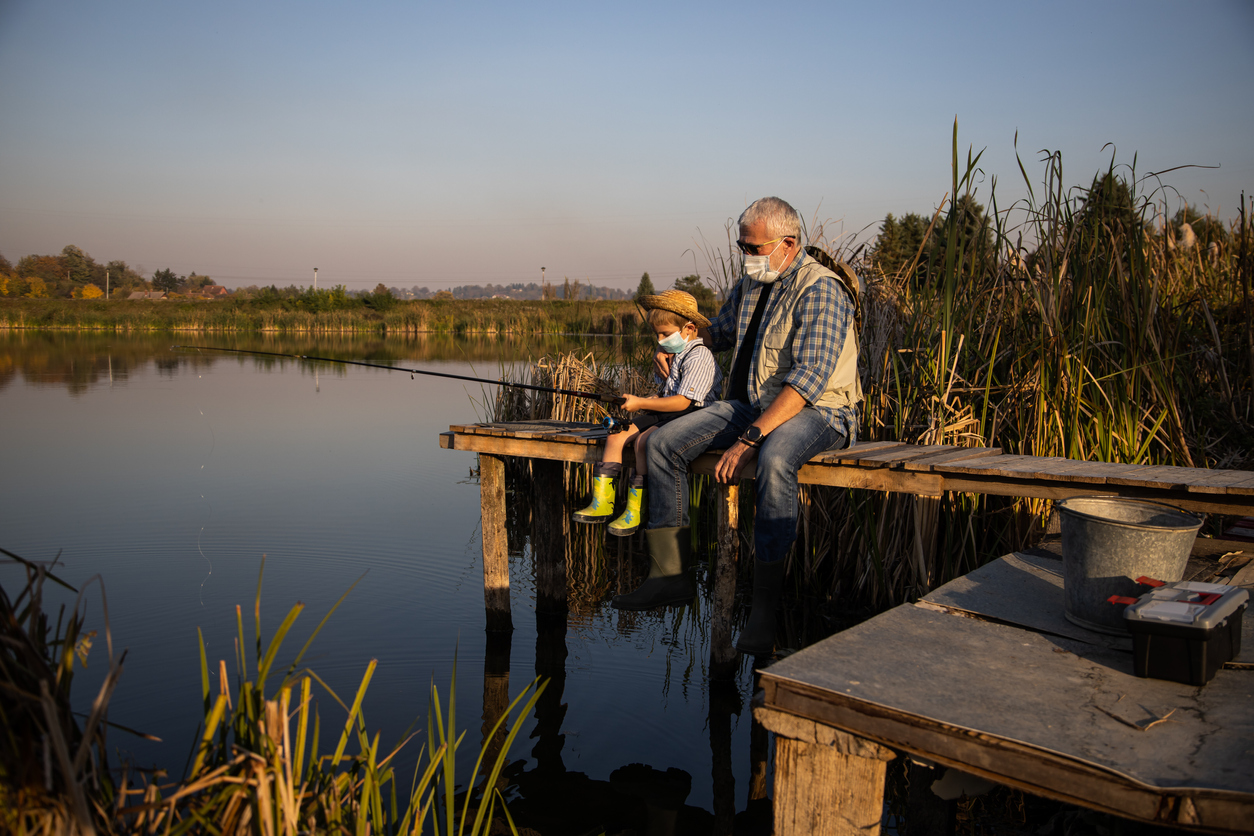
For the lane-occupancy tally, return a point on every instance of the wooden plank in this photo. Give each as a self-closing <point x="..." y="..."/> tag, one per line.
<point x="897" y="481"/>
<point x="495" y="544"/>
<point x="851" y="455"/>
<point x="955" y="454"/>
<point x="528" y="448"/>
<point x="446" y="440"/>
<point x="1019" y="589"/>
<point x="884" y="458"/>
<point x="1220" y="480"/>
<point x="1237" y="505"/>
<point x="1002" y="464"/>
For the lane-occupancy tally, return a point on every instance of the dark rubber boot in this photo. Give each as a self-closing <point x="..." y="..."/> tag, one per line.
<point x="758" y="637"/>
<point x="668" y="581"/>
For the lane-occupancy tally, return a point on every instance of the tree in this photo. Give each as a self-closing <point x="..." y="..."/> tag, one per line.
<point x="899" y="242"/>
<point x="196" y="282"/>
<point x="645" y="288"/>
<point x="78" y="265"/>
<point x="5" y="266"/>
<point x="166" y="280"/>
<point x="88" y="291"/>
<point x="704" y="296"/>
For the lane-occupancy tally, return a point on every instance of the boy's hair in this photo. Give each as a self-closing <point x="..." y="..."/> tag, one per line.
<point x="659" y="317"/>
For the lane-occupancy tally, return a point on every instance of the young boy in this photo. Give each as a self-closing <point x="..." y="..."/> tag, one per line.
<point x="691" y="384"/>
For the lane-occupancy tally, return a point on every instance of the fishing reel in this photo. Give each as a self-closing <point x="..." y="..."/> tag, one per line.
<point x="615" y="425"/>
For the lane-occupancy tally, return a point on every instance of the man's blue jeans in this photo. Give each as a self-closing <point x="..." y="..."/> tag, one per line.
<point x="675" y="445"/>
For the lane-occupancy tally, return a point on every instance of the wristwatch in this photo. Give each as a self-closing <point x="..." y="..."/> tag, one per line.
<point x="752" y="436"/>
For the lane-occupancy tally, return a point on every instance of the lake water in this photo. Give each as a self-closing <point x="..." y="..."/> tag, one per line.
<point x="171" y="473"/>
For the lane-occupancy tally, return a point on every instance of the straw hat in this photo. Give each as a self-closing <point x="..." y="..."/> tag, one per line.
<point x="677" y="302"/>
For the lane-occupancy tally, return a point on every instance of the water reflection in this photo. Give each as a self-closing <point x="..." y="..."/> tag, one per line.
<point x="171" y="472"/>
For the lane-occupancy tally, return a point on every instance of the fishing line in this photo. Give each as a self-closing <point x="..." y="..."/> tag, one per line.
<point x="606" y="396"/>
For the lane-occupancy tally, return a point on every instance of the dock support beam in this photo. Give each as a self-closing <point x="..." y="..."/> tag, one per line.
<point x="723" y="656"/>
<point x="827" y="781"/>
<point x="495" y="545"/>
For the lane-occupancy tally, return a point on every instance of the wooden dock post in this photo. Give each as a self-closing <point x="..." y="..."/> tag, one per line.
<point x="827" y="781"/>
<point x="495" y="545"/>
<point x="550" y="528"/>
<point x="723" y="656"/>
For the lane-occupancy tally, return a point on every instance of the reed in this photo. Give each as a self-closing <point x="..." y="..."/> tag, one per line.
<point x="260" y="763"/>
<point x="1073" y="323"/>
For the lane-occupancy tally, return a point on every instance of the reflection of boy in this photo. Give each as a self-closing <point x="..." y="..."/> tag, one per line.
<point x="690" y="384"/>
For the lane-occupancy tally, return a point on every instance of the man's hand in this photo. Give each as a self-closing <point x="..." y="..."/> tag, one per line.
<point x="662" y="363"/>
<point x="733" y="462"/>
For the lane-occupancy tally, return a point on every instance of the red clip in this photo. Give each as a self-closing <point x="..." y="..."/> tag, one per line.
<point x="1207" y="598"/>
<point x="1147" y="581"/>
<point x="1121" y="599"/>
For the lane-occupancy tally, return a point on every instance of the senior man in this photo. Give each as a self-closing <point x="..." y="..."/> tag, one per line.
<point x="792" y="392"/>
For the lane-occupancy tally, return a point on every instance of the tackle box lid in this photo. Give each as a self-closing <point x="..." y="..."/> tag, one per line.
<point x="1204" y="606"/>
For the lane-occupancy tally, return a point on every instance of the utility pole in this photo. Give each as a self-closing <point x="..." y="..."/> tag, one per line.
<point x="106" y="297"/>
<point x="543" y="295"/>
<point x="315" y="278"/>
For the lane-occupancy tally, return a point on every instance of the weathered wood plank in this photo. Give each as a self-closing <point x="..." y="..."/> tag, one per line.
<point x="495" y="545"/>
<point x="850" y="455"/>
<point x="1219" y="481"/>
<point x="885" y="458"/>
<point x="952" y="455"/>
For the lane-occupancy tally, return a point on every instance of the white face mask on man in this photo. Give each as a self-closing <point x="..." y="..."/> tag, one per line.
<point x="758" y="267"/>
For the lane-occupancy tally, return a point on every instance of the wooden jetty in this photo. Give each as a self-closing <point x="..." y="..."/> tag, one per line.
<point x="929" y="470"/>
<point x="983" y="675"/>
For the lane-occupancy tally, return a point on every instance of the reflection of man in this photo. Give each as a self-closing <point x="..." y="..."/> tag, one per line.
<point x="792" y="393"/>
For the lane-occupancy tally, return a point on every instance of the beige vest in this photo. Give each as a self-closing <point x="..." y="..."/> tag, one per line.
<point x="775" y="359"/>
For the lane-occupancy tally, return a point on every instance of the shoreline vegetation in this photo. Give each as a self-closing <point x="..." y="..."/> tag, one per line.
<point x="321" y="314"/>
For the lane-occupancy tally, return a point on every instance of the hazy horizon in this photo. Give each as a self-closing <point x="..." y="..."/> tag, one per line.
<point x="434" y="145"/>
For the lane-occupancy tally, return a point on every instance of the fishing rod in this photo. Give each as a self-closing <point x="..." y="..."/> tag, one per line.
<point x="604" y="397"/>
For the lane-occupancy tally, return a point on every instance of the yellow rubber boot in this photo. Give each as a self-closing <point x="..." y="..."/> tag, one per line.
<point x="601" y="507"/>
<point x="629" y="520"/>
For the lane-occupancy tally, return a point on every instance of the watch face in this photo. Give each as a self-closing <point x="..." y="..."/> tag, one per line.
<point x="753" y="434"/>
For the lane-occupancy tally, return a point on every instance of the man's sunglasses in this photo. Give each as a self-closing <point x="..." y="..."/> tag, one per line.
<point x="756" y="249"/>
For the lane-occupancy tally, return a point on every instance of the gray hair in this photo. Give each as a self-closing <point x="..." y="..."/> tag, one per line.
<point x="781" y="219"/>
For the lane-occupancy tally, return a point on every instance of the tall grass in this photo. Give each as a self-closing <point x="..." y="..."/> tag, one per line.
<point x="260" y="764"/>
<point x="1073" y="324"/>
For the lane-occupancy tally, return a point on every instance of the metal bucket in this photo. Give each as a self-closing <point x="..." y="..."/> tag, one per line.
<point x="1108" y="542"/>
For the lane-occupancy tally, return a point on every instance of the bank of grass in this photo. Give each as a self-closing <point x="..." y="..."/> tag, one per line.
<point x="1077" y="328"/>
<point x="259" y="764"/>
<point x="454" y="316"/>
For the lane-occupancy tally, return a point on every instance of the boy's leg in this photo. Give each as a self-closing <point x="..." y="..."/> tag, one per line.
<point x="628" y="522"/>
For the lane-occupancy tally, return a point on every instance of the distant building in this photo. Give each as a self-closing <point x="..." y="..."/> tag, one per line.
<point x="152" y="295"/>
<point x="214" y="291"/>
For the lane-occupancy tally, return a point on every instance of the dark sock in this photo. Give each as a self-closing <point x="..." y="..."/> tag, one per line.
<point x="608" y="469"/>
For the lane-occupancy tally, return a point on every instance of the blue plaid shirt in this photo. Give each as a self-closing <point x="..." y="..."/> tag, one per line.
<point x="824" y="318"/>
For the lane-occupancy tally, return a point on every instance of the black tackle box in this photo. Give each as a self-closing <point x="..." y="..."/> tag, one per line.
<point x="1185" y="631"/>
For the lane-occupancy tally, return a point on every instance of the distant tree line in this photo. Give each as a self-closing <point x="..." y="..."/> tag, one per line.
<point x="573" y="291"/>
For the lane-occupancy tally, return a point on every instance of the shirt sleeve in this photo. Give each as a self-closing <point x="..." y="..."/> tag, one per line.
<point x="824" y="317"/>
<point x="723" y="327"/>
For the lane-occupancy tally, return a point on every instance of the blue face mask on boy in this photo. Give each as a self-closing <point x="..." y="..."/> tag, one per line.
<point x="674" y="343"/>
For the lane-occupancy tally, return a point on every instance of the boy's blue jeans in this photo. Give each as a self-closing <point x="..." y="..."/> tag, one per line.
<point x="674" y="446"/>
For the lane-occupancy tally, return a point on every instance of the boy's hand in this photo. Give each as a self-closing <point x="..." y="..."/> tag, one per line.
<point x="632" y="404"/>
<point x="662" y="363"/>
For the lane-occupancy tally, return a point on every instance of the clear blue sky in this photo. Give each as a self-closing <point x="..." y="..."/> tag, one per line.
<point x="441" y="144"/>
